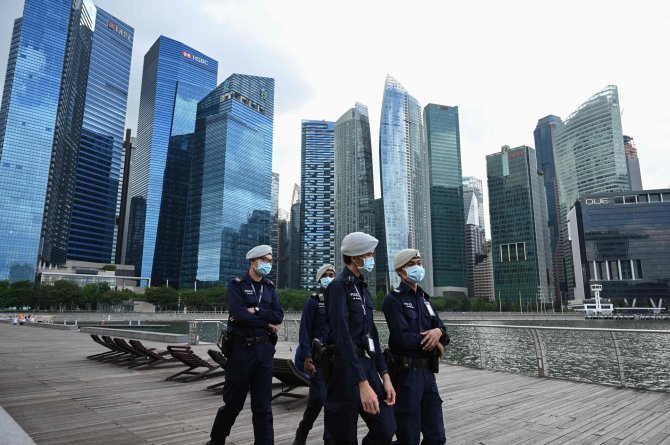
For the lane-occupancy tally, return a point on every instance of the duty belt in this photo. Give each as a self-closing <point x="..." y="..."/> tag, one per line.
<point x="405" y="362"/>
<point x="361" y="351"/>
<point x="251" y="341"/>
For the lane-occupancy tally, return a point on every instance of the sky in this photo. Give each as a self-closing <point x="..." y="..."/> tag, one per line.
<point x="504" y="64"/>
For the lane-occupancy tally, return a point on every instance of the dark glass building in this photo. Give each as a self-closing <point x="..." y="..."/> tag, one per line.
<point x="27" y="121"/>
<point x="174" y="78"/>
<point x="621" y="240"/>
<point x="317" y="202"/>
<point x="632" y="163"/>
<point x="96" y="205"/>
<point x="520" y="243"/>
<point x="545" y="146"/>
<point x="293" y="252"/>
<point x="443" y="143"/>
<point x="230" y="197"/>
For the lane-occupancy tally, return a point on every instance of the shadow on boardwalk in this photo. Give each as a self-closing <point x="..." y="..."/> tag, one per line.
<point x="59" y="397"/>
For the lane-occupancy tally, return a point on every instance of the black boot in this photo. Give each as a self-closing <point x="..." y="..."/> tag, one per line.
<point x="300" y="437"/>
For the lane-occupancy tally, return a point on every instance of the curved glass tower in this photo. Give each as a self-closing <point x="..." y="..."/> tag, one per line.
<point x="354" y="182"/>
<point x="589" y="158"/>
<point x="404" y="179"/>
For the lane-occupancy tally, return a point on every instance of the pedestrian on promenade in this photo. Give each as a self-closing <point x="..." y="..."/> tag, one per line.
<point x="255" y="314"/>
<point x="354" y="385"/>
<point x="313" y="325"/>
<point x="417" y="338"/>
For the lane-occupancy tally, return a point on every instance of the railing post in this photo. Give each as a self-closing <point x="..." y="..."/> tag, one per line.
<point x="482" y="354"/>
<point x="542" y="367"/>
<point x="619" y="359"/>
<point x="193" y="332"/>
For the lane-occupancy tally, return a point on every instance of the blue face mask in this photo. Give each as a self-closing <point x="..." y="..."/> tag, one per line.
<point x="263" y="268"/>
<point x="325" y="281"/>
<point x="368" y="264"/>
<point x="415" y="273"/>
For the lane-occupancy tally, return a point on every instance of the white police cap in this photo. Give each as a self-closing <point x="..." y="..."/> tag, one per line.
<point x="323" y="269"/>
<point x="259" y="251"/>
<point x="405" y="256"/>
<point x="358" y="243"/>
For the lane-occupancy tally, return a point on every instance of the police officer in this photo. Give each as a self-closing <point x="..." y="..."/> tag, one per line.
<point x="354" y="385"/>
<point x="255" y="314"/>
<point x="417" y="337"/>
<point x="313" y="325"/>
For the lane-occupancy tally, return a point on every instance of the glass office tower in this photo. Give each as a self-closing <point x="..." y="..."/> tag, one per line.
<point x="472" y="185"/>
<point x="545" y="143"/>
<point x="589" y="158"/>
<point x="174" y="78"/>
<point x="632" y="163"/>
<point x="96" y="204"/>
<point x="354" y="181"/>
<point x="230" y="199"/>
<point x="520" y="247"/>
<point x="443" y="142"/>
<point x="405" y="184"/>
<point x="27" y="127"/>
<point x="317" y="203"/>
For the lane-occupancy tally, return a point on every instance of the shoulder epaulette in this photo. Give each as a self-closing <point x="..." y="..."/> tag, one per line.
<point x="265" y="280"/>
<point x="396" y="291"/>
<point x="314" y="295"/>
<point x="237" y="280"/>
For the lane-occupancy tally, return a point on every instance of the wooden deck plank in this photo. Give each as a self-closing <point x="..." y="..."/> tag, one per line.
<point x="59" y="397"/>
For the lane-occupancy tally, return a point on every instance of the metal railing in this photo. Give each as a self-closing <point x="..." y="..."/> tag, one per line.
<point x="633" y="358"/>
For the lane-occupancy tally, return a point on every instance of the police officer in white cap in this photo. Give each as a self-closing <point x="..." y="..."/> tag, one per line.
<point x="255" y="314"/>
<point x="417" y="338"/>
<point x="358" y="383"/>
<point x="313" y="325"/>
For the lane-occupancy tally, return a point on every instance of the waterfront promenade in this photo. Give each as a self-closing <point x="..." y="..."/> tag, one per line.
<point x="59" y="397"/>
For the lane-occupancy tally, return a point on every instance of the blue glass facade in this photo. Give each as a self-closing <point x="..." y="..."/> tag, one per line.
<point x="174" y="78"/>
<point x="230" y="198"/>
<point x="317" y="203"/>
<point x="519" y="242"/>
<point x="27" y="121"/>
<point x="622" y="242"/>
<point x="545" y="143"/>
<point x="404" y="179"/>
<point x="95" y="204"/>
<point x="443" y="141"/>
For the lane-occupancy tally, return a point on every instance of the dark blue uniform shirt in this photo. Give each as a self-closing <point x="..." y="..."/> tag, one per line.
<point x="349" y="311"/>
<point x="407" y="315"/>
<point x="313" y="323"/>
<point x="244" y="293"/>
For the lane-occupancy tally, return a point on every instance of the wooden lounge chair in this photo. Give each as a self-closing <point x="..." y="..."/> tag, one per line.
<point x="139" y="357"/>
<point x="286" y="372"/>
<point x="110" y="352"/>
<point x="122" y="357"/>
<point x="153" y="356"/>
<point x="186" y="355"/>
<point x="219" y="358"/>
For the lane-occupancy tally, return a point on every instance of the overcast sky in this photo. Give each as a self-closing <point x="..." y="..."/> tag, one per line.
<point x="504" y="64"/>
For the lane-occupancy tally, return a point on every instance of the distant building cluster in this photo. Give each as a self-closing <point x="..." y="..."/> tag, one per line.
<point x="181" y="201"/>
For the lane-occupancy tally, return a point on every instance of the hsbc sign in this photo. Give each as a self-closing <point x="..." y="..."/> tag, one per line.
<point x="596" y="201"/>
<point x="193" y="57"/>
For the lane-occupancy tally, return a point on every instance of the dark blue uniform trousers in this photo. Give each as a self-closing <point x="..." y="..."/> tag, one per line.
<point x="249" y="370"/>
<point x="418" y="407"/>
<point x="317" y="398"/>
<point x="343" y="406"/>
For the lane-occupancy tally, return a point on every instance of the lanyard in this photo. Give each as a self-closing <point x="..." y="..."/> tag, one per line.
<point x="253" y="288"/>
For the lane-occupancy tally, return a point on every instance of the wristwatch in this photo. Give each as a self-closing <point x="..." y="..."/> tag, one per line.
<point x="257" y="309"/>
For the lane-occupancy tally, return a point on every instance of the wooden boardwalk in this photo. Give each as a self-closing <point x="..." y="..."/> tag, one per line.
<point x="59" y="397"/>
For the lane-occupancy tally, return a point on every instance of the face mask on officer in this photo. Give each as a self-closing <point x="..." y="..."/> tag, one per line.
<point x="368" y="264"/>
<point x="325" y="281"/>
<point x="263" y="267"/>
<point x="415" y="273"/>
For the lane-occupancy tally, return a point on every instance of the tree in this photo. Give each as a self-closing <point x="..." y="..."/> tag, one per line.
<point x="63" y="293"/>
<point x="163" y="296"/>
<point x="91" y="294"/>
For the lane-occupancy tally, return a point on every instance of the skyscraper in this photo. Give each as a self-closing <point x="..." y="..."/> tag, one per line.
<point x="317" y="202"/>
<point x="96" y="192"/>
<point x="49" y="109"/>
<point x="404" y="182"/>
<point x="472" y="185"/>
<point x="354" y="181"/>
<point x="229" y="205"/>
<point x="589" y="158"/>
<point x="174" y="78"/>
<point x="124" y="203"/>
<point x="545" y="146"/>
<point x="632" y="163"/>
<point x="283" y="247"/>
<point x="274" y="229"/>
<point x="443" y="143"/>
<point x="294" y="241"/>
<point x="517" y="204"/>
<point x="474" y="245"/>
